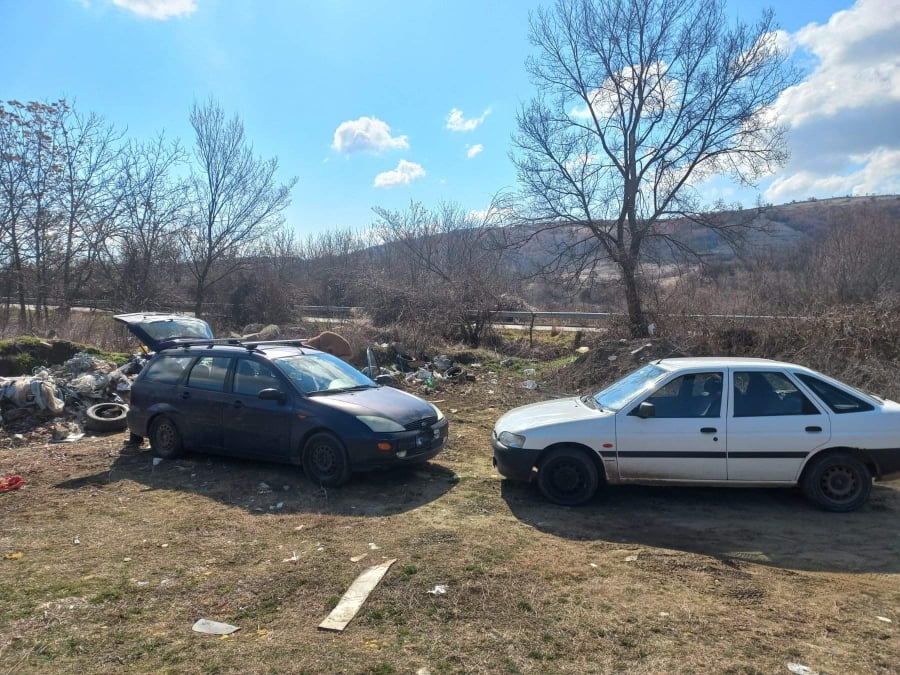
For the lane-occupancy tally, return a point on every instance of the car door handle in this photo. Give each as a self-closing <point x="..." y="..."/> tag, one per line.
<point x="813" y="430"/>
<point x="185" y="394"/>
<point x="708" y="430"/>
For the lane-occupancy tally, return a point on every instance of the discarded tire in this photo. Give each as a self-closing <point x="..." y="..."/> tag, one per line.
<point x="106" y="417"/>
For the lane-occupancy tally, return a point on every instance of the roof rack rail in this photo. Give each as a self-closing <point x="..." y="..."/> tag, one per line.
<point x="249" y="345"/>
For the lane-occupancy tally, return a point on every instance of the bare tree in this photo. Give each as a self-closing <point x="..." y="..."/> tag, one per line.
<point x="89" y="151"/>
<point x="445" y="264"/>
<point x="13" y="164"/>
<point x="152" y="209"/>
<point x="235" y="195"/>
<point x="640" y="100"/>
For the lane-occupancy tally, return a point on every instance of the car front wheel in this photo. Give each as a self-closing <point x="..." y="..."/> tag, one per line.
<point x="325" y="461"/>
<point x="837" y="482"/>
<point x="567" y="476"/>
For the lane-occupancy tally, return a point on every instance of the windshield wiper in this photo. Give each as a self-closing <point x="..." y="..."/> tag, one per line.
<point x="591" y="402"/>
<point x="358" y="387"/>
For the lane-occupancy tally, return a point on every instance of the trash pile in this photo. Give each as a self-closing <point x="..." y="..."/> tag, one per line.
<point x="84" y="393"/>
<point x="440" y="370"/>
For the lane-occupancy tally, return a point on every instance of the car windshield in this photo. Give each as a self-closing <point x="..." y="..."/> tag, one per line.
<point x="166" y="329"/>
<point x="622" y="391"/>
<point x="316" y="374"/>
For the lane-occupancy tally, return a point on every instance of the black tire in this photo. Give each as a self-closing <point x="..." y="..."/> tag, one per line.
<point x="325" y="461"/>
<point x="106" y="417"/>
<point x="837" y="482"/>
<point x="165" y="439"/>
<point x="567" y="476"/>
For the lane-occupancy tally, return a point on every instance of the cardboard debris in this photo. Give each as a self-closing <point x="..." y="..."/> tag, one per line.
<point x="355" y="596"/>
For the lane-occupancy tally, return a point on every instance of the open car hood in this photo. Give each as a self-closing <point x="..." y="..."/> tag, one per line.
<point x="156" y="329"/>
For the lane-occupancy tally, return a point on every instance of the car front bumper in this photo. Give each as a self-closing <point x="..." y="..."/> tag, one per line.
<point x="514" y="463"/>
<point x="408" y="447"/>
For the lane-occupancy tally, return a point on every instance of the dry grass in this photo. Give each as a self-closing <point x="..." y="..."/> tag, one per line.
<point x="739" y="581"/>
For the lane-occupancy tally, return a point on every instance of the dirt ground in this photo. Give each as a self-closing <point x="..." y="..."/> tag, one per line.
<point x="119" y="557"/>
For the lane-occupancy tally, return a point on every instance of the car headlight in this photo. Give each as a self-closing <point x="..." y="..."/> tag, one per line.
<point x="511" y="440"/>
<point x="437" y="411"/>
<point x="380" y="424"/>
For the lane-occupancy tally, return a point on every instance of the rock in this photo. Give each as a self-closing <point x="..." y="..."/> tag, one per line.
<point x="252" y="328"/>
<point x="270" y="332"/>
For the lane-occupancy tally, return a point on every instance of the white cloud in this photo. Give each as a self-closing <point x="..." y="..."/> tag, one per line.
<point x="158" y="9"/>
<point x="844" y="117"/>
<point x="474" y="150"/>
<point x="877" y="172"/>
<point x="605" y="99"/>
<point x="404" y="174"/>
<point x="457" y="122"/>
<point x="367" y="134"/>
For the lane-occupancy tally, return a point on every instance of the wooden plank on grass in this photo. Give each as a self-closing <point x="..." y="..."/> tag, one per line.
<point x="355" y="596"/>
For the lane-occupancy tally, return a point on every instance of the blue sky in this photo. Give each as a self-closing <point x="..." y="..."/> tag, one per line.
<point x="297" y="71"/>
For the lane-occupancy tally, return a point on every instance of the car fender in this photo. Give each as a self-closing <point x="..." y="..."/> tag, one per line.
<point x="860" y="453"/>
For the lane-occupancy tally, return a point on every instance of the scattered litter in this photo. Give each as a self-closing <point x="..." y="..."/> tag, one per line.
<point x="299" y="527"/>
<point x="157" y="461"/>
<point x="506" y="362"/>
<point x="884" y="618"/>
<point x="800" y="669"/>
<point x="359" y="557"/>
<point x="373" y="546"/>
<point x="263" y="488"/>
<point x="126" y="559"/>
<point x="454" y="410"/>
<point x="355" y="596"/>
<point x="528" y="372"/>
<point x="320" y="548"/>
<point x="15" y="555"/>
<point x="611" y="357"/>
<point x="71" y="438"/>
<point x="455" y="478"/>
<point x="213" y="627"/>
<point x="440" y="589"/>
<point x="164" y="546"/>
<point x="76" y="541"/>
<point x="276" y="507"/>
<point x="10" y="483"/>
<point x="630" y="558"/>
<point x="583" y="350"/>
<point x="293" y="558"/>
<point x="593" y="564"/>
<point x="142" y="583"/>
<point x="530" y="384"/>
<point x="664" y="614"/>
<point x="165" y="582"/>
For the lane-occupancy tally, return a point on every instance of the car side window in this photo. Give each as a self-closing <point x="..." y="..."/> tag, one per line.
<point x="167" y="369"/>
<point x="838" y="400"/>
<point x="769" y="394"/>
<point x="251" y="377"/>
<point x="209" y="373"/>
<point x="689" y="396"/>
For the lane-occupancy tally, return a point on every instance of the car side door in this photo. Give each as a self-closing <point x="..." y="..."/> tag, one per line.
<point x="685" y="437"/>
<point x="254" y="426"/>
<point x="201" y="402"/>
<point x="772" y="426"/>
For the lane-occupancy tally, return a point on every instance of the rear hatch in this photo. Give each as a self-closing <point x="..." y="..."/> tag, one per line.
<point x="158" y="330"/>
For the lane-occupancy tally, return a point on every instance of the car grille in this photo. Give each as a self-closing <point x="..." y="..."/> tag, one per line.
<point x="421" y="424"/>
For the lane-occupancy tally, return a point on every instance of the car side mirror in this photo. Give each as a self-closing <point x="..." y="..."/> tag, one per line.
<point x="646" y="409"/>
<point x="273" y="395"/>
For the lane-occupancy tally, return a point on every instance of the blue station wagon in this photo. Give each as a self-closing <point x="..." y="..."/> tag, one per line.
<point x="275" y="400"/>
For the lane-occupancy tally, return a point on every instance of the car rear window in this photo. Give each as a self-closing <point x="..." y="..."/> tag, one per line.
<point x="167" y="369"/>
<point x="209" y="373"/>
<point x="838" y="400"/>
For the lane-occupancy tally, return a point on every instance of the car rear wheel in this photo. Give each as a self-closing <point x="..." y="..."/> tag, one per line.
<point x="325" y="461"/>
<point x="165" y="439"/>
<point x="567" y="476"/>
<point x="837" y="482"/>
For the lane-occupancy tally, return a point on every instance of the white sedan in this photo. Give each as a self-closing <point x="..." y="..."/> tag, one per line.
<point x="707" y="421"/>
